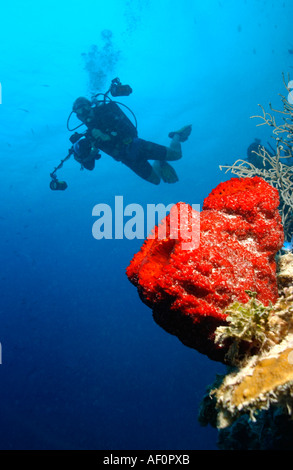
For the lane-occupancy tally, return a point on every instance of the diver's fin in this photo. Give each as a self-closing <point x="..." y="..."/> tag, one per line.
<point x="168" y="174"/>
<point x="183" y="133"/>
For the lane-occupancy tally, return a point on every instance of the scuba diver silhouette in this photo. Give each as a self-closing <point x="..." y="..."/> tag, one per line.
<point x="109" y="130"/>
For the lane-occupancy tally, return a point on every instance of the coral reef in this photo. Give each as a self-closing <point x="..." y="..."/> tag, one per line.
<point x="247" y="323"/>
<point x="230" y="296"/>
<point x="189" y="290"/>
<point x="271" y="431"/>
<point x="252" y="403"/>
<point x="260" y="327"/>
<point x="269" y="165"/>
<point x="285" y="270"/>
<point x="264" y="380"/>
<point x="261" y="384"/>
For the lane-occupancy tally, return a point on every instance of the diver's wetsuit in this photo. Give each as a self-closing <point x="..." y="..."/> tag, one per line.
<point x="120" y="140"/>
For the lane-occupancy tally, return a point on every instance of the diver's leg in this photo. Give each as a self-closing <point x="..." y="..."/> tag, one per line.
<point x="174" y="152"/>
<point x="160" y="154"/>
<point x="144" y="169"/>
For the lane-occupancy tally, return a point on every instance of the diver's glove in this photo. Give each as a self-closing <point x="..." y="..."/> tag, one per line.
<point x="94" y="153"/>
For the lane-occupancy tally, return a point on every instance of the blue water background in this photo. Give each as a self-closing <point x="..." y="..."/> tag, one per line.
<point x="84" y="366"/>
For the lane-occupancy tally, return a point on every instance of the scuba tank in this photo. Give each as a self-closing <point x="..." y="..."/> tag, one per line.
<point x="109" y="118"/>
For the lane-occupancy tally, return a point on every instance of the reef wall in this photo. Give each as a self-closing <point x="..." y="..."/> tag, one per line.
<point x="230" y="296"/>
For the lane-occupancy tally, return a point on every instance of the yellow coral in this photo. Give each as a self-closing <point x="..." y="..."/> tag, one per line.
<point x="262" y="381"/>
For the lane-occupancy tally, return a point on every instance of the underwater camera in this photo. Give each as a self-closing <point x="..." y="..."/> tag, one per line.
<point x="117" y="89"/>
<point x="57" y="185"/>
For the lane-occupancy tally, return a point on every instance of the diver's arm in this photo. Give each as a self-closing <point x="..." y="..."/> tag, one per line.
<point x="89" y="162"/>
